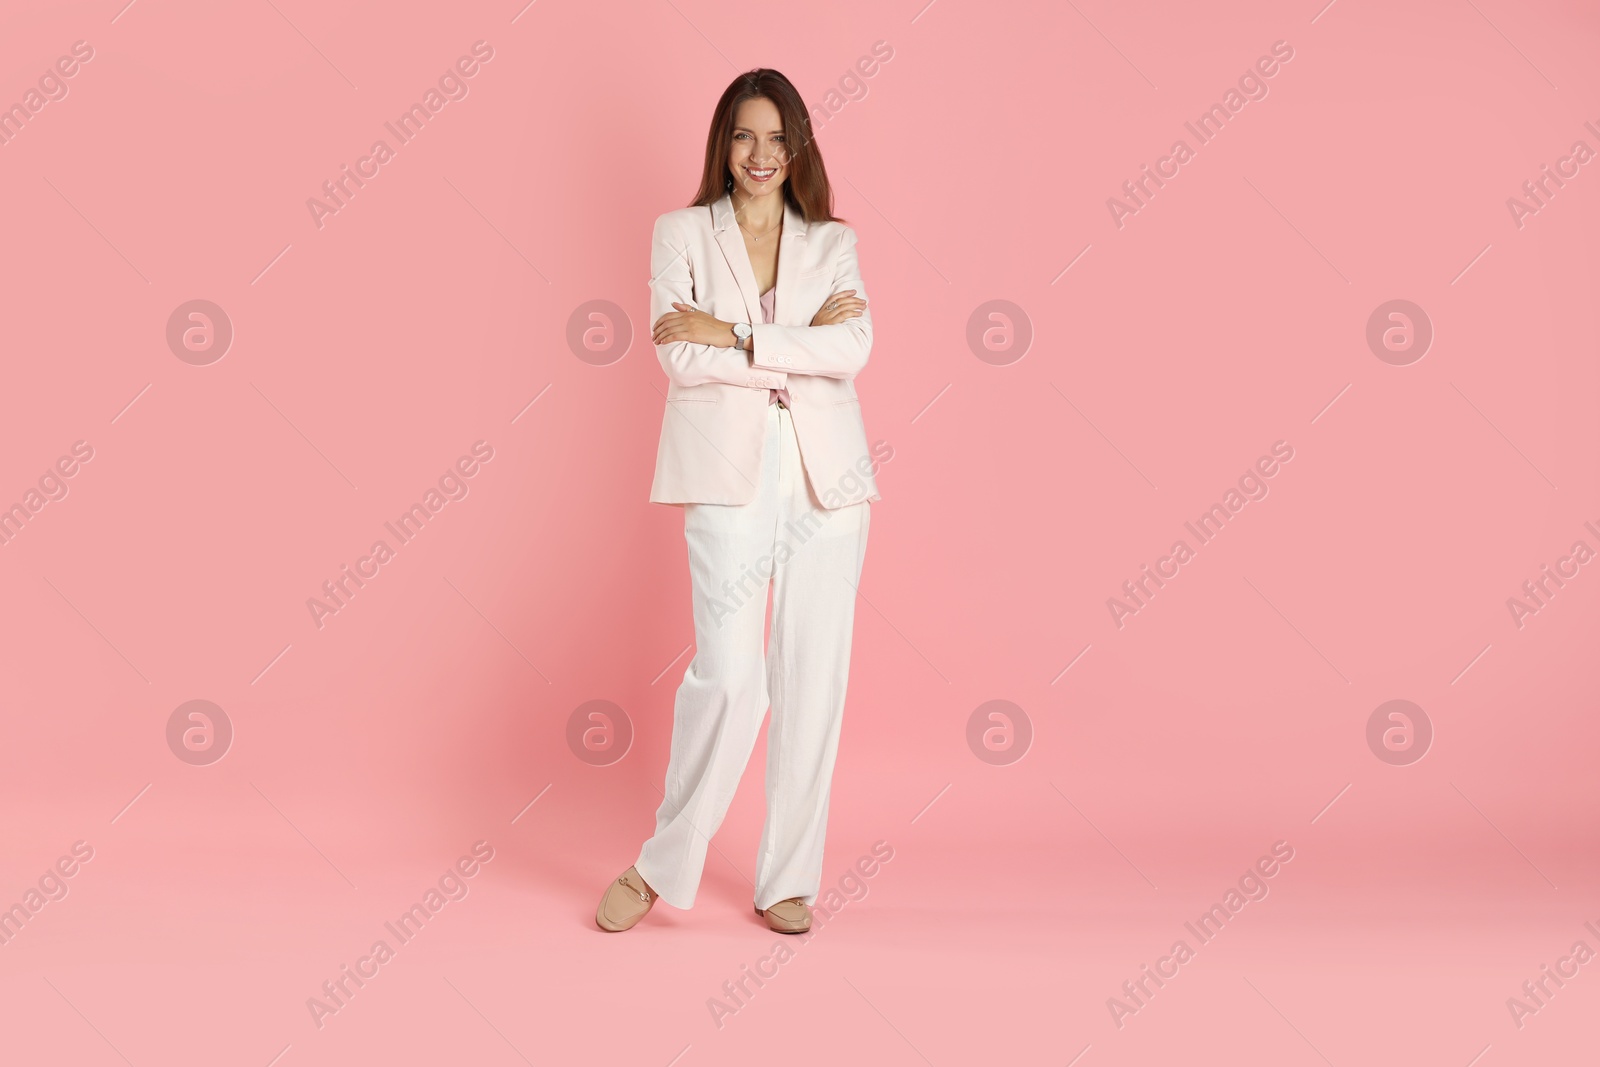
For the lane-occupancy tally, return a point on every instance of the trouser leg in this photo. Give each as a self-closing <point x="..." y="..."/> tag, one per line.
<point x="819" y="558"/>
<point x="723" y="696"/>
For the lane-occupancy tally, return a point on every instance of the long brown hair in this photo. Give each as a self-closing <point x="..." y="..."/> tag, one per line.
<point x="806" y="187"/>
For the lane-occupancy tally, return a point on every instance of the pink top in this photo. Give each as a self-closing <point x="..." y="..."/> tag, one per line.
<point x="768" y="301"/>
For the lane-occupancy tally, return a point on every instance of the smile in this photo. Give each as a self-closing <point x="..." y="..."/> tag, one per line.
<point x="761" y="175"/>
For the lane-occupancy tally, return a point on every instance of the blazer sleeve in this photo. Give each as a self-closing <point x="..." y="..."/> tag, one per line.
<point x="836" y="351"/>
<point x="672" y="279"/>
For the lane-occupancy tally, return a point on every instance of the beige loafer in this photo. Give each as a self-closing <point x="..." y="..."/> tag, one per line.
<point x="624" y="902"/>
<point x="792" y="916"/>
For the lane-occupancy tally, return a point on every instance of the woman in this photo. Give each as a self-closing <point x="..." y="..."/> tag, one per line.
<point x="761" y="323"/>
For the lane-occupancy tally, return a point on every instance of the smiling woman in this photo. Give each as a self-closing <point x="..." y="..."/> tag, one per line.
<point x="759" y="317"/>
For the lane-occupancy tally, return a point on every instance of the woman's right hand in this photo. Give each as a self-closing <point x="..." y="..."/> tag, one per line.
<point x="844" y="305"/>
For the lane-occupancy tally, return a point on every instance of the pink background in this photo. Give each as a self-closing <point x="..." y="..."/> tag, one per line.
<point x="975" y="164"/>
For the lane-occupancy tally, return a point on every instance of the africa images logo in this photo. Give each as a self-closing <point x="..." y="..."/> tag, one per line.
<point x="452" y="85"/>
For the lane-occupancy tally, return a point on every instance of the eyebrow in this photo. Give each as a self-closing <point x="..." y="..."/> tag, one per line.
<point x="747" y="129"/>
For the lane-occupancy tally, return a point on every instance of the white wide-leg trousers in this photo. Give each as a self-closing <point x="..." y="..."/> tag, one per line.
<point x="812" y="558"/>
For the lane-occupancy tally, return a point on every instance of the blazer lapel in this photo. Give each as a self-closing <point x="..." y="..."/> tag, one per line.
<point x="790" y="254"/>
<point x="730" y="238"/>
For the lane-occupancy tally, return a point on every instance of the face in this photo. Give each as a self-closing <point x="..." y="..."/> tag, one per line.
<point x="758" y="157"/>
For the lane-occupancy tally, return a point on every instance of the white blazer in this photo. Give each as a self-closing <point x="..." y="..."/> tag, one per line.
<point x="714" y="428"/>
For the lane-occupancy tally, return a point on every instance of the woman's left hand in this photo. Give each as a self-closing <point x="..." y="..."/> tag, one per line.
<point x="696" y="327"/>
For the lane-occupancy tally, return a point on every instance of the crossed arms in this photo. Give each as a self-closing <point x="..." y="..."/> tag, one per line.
<point x="835" y="351"/>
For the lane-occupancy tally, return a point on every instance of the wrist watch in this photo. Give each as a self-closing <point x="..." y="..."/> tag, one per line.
<point x="741" y="330"/>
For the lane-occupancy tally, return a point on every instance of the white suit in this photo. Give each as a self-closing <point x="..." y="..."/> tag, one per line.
<point x="811" y="550"/>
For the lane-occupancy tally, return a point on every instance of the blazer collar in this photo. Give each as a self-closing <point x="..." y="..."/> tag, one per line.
<point x="722" y="217"/>
<point x="730" y="238"/>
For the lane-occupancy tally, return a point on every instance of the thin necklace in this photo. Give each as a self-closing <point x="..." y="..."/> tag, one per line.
<point x="746" y="229"/>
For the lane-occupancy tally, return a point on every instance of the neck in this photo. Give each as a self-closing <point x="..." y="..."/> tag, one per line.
<point x="758" y="213"/>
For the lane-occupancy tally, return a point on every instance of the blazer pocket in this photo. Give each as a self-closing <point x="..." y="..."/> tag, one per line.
<point x="692" y="394"/>
<point x="819" y="272"/>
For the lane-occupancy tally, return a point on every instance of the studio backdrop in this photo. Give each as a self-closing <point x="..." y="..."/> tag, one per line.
<point x="1222" y="686"/>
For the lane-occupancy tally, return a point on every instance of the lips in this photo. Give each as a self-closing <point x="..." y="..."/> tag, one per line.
<point x="760" y="175"/>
